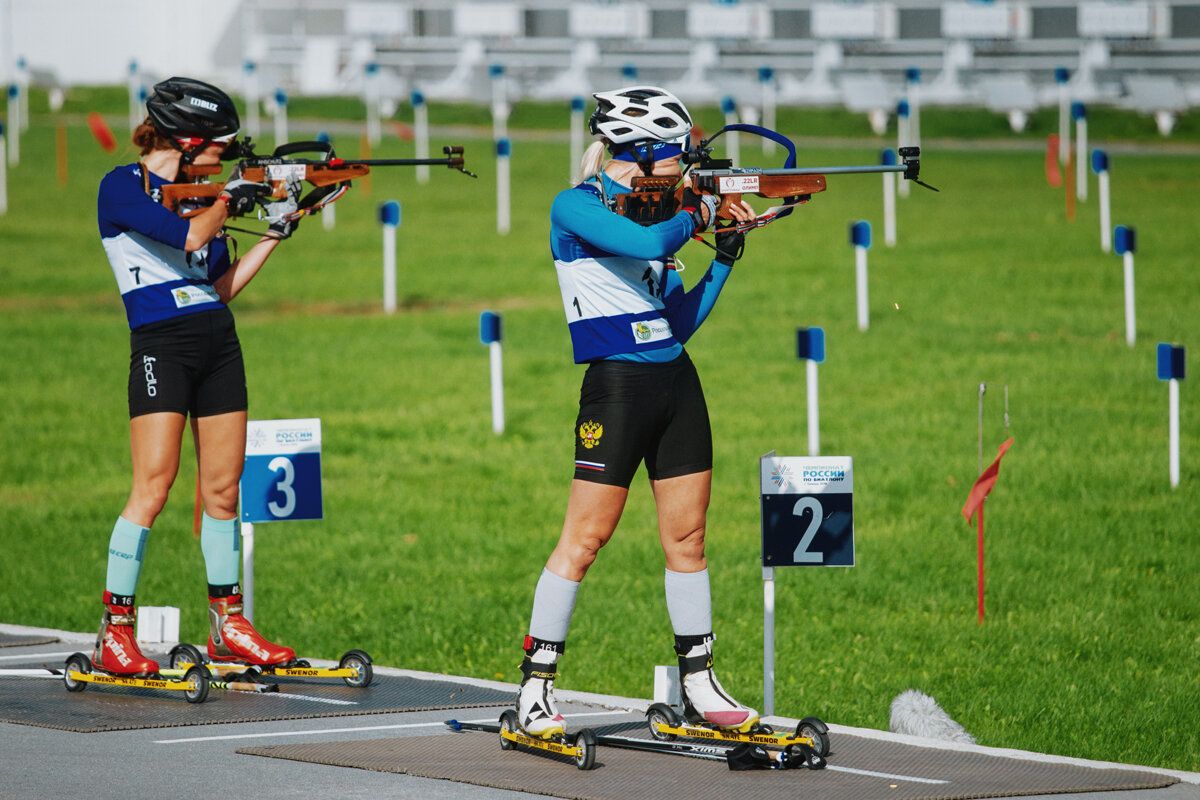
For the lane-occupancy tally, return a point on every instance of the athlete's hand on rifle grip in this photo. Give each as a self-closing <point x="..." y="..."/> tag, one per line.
<point x="731" y="244"/>
<point x="702" y="207"/>
<point x="242" y="195"/>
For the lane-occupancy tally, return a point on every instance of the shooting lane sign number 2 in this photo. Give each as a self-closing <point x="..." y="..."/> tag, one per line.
<point x="807" y="511"/>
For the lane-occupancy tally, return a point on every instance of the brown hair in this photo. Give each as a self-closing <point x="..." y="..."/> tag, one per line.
<point x="147" y="137"/>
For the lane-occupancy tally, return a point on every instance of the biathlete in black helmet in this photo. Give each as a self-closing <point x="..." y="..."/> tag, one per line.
<point x="176" y="277"/>
<point x="629" y="317"/>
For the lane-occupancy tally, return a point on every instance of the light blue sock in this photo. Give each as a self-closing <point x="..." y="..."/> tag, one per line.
<point x="125" y="550"/>
<point x="221" y="545"/>
<point x="553" y="604"/>
<point x="689" y="602"/>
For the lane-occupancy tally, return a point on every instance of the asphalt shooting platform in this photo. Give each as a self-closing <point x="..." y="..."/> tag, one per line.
<point x="390" y="739"/>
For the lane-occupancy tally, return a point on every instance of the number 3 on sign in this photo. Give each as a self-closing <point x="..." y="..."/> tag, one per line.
<point x="802" y="554"/>
<point x="284" y="487"/>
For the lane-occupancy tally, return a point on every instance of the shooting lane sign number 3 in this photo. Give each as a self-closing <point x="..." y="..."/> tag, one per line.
<point x="807" y="511"/>
<point x="282" y="475"/>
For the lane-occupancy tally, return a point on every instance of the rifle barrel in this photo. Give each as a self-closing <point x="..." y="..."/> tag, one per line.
<point x="401" y="162"/>
<point x="814" y="170"/>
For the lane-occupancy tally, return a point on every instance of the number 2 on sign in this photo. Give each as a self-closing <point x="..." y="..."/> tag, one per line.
<point x="285" y="487"/>
<point x="802" y="555"/>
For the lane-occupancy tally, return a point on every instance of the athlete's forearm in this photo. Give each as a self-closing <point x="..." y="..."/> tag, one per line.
<point x="205" y="225"/>
<point x="686" y="311"/>
<point x="242" y="271"/>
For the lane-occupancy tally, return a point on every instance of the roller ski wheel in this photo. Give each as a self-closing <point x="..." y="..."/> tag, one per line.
<point x="813" y="728"/>
<point x="508" y="724"/>
<point x="359" y="661"/>
<point x="77" y="662"/>
<point x="182" y="655"/>
<point x="197" y="679"/>
<point x="585" y="740"/>
<point x="659" y="715"/>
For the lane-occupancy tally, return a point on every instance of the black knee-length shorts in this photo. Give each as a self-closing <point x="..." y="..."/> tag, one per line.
<point x="631" y="412"/>
<point x="190" y="364"/>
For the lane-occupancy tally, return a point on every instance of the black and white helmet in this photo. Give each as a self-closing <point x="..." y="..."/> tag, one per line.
<point x="638" y="114"/>
<point x="185" y="108"/>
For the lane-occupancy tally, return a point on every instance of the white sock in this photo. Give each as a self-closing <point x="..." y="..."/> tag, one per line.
<point x="553" y="604"/>
<point x="689" y="602"/>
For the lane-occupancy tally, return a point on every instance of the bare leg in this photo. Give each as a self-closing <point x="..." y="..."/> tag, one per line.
<point x="593" y="511"/>
<point x="221" y="452"/>
<point x="682" y="513"/>
<point x="154" y="441"/>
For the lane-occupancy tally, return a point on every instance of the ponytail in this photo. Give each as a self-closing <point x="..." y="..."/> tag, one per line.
<point x="147" y="137"/>
<point x="593" y="160"/>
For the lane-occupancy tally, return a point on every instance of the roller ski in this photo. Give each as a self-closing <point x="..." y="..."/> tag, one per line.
<point x="711" y="714"/>
<point x="238" y="651"/>
<point x="580" y="748"/>
<point x="118" y="661"/>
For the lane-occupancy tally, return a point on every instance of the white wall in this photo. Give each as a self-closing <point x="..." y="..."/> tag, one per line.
<point x="93" y="41"/>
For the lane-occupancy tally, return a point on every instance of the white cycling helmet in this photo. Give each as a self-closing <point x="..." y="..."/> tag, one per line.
<point x="638" y="114"/>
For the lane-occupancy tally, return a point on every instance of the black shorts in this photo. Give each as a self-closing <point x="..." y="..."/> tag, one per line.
<point x="630" y="412"/>
<point x="190" y="364"/>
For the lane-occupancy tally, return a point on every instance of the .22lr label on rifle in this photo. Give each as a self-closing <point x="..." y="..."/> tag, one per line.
<point x="737" y="184"/>
<point x="281" y="172"/>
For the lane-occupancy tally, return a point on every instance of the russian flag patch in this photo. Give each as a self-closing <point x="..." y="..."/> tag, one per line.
<point x="589" y="465"/>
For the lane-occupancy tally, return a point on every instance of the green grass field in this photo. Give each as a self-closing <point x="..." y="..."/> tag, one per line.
<point x="436" y="530"/>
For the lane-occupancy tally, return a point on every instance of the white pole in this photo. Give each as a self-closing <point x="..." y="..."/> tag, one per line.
<point x="250" y="89"/>
<point x="860" y="272"/>
<point x="733" y="149"/>
<point x="14" y="125"/>
<point x="1064" y="108"/>
<point x="1105" y="212"/>
<point x="1173" y="411"/>
<point x="497" y="360"/>
<point x="889" y="200"/>
<point x="389" y="215"/>
<point x="3" y="175"/>
<point x="23" y="82"/>
<point x="768" y="641"/>
<point x="814" y="414"/>
<point x="329" y="216"/>
<point x="1130" y="317"/>
<point x="500" y="109"/>
<point x="914" y="105"/>
<point x="903" y="131"/>
<point x="134" y="84"/>
<point x="248" y="570"/>
<point x="503" y="188"/>
<point x="281" y="119"/>
<point x="577" y="108"/>
<point x="371" y="100"/>
<point x="421" y="133"/>
<point x="766" y="77"/>
<point x="1081" y="181"/>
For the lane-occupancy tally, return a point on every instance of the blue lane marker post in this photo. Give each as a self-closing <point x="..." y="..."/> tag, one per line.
<point x="371" y="99"/>
<point x="888" y="159"/>
<point x="766" y="80"/>
<point x="491" y="334"/>
<point x="389" y="218"/>
<point x="1171" y="367"/>
<point x="912" y="79"/>
<point x="420" y="132"/>
<point x="810" y="348"/>
<point x="1079" y="114"/>
<point x="629" y="72"/>
<point x="1062" y="77"/>
<point x="1100" y="167"/>
<point x="14" y="125"/>
<point x="281" y="117"/>
<point x="503" y="186"/>
<point x="328" y="213"/>
<point x="1125" y="243"/>
<point x="250" y="92"/>
<point x="903" y="135"/>
<point x="576" y="129"/>
<point x="3" y="174"/>
<point x="860" y="237"/>
<point x="733" y="149"/>
<point x="134" y="78"/>
<point x="500" y="109"/>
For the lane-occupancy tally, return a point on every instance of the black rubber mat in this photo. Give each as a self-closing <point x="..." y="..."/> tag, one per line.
<point x="19" y="640"/>
<point x="476" y="758"/>
<point x="46" y="703"/>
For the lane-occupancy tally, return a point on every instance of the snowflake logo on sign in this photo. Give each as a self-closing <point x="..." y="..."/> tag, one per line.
<point x="257" y="438"/>
<point x="782" y="476"/>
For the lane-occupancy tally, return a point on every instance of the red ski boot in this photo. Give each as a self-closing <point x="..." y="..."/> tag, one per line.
<point x="117" y="650"/>
<point x="233" y="638"/>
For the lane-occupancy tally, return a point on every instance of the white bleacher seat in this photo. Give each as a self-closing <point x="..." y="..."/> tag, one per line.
<point x="1160" y="95"/>
<point x="871" y="95"/>
<point x="1011" y="94"/>
<point x="817" y="87"/>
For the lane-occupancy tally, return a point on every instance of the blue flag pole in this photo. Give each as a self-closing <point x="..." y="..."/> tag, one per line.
<point x="810" y="348"/>
<point x="491" y="334"/>
<point x="389" y="217"/>
<point x="1125" y="243"/>
<point x="860" y="237"/>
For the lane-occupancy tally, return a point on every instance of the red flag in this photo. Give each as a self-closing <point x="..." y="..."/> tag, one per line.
<point x="984" y="485"/>
<point x="104" y="135"/>
<point x="1053" y="173"/>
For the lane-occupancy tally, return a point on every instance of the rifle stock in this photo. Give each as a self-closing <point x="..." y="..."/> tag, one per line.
<point x="657" y="198"/>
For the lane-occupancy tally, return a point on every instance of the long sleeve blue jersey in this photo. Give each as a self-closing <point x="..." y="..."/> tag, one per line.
<point x="145" y="243"/>
<point x="621" y="299"/>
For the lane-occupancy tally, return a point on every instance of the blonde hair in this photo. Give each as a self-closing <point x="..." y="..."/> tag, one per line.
<point x="594" y="159"/>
